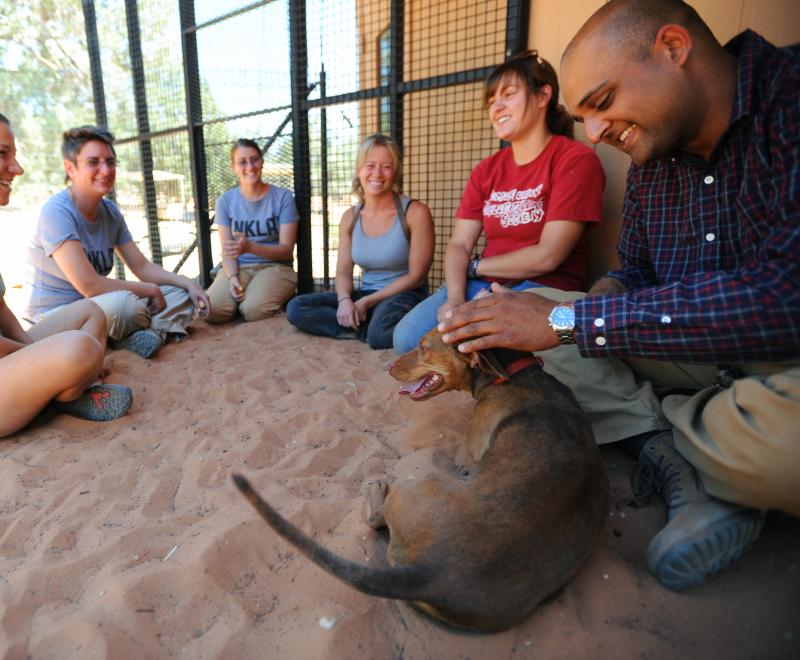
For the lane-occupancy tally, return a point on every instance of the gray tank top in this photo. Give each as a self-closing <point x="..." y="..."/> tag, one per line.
<point x="383" y="258"/>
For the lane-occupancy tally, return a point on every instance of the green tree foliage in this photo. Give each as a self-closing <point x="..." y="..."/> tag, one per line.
<point x="45" y="81"/>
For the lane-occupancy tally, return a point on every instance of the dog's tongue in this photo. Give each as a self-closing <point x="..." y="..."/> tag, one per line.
<point x="413" y="388"/>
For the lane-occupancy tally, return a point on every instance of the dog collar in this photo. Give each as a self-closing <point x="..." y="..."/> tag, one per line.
<point x="517" y="366"/>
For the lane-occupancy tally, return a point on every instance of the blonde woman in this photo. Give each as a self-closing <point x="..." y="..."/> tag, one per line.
<point x="390" y="237"/>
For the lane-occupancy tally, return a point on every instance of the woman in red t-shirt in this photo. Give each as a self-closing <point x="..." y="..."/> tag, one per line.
<point x="534" y="200"/>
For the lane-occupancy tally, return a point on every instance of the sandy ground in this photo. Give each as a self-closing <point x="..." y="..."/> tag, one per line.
<point x="128" y="540"/>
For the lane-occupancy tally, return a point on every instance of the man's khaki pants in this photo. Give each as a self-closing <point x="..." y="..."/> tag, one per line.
<point x="743" y="440"/>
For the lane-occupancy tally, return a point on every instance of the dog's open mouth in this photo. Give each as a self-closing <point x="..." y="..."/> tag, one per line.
<point x="423" y="387"/>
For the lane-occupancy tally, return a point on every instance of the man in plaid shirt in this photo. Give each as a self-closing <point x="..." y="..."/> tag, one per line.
<point x="707" y="298"/>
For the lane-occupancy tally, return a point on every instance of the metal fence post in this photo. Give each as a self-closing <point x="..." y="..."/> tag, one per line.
<point x="197" y="149"/>
<point x="517" y="17"/>
<point x="95" y="65"/>
<point x="300" y="141"/>
<point x="98" y="91"/>
<point x="396" y="62"/>
<point x="323" y="157"/>
<point x="143" y="125"/>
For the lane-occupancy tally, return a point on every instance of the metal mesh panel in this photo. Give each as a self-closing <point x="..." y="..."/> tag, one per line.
<point x="207" y="10"/>
<point x="116" y="62"/>
<point x="129" y="193"/>
<point x="244" y="62"/>
<point x="159" y="23"/>
<point x="145" y="100"/>
<point x="333" y="143"/>
<point x="448" y="133"/>
<point x="453" y="35"/>
<point x="172" y="179"/>
<point x="45" y="83"/>
<point x="334" y="44"/>
<point x="446" y="49"/>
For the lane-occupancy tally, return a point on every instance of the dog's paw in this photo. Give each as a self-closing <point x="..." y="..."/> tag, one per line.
<point x="378" y="489"/>
<point x="372" y="511"/>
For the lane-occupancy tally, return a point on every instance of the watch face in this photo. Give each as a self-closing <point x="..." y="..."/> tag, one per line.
<point x="563" y="317"/>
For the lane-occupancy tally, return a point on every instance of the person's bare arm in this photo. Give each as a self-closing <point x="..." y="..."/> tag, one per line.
<point x="346" y="314"/>
<point x="607" y="286"/>
<point x="72" y="261"/>
<point x="13" y="336"/>
<point x="456" y="259"/>
<point x="556" y="243"/>
<point x="147" y="271"/>
<point x="11" y="329"/>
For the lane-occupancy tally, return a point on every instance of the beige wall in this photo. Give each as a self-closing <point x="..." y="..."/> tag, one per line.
<point x="554" y="22"/>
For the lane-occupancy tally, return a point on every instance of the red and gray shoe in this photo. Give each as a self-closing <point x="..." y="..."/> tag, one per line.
<point x="99" y="403"/>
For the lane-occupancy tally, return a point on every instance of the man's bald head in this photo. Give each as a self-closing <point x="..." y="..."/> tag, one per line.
<point x="632" y="25"/>
<point x="659" y="50"/>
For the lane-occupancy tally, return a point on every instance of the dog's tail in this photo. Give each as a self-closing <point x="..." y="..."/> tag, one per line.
<point x="402" y="583"/>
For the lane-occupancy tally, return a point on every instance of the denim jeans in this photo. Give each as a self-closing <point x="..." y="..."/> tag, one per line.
<point x="315" y="313"/>
<point x="416" y="324"/>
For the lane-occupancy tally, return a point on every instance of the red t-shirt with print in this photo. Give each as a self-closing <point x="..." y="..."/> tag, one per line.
<point x="564" y="182"/>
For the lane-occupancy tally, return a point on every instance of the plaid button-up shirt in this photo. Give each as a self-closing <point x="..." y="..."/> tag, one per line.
<point x="710" y="251"/>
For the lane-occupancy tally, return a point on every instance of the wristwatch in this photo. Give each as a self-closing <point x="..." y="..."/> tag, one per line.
<point x="472" y="269"/>
<point x="562" y="320"/>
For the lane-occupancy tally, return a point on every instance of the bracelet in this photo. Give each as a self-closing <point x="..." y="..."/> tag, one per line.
<point x="472" y="269"/>
<point x="344" y="298"/>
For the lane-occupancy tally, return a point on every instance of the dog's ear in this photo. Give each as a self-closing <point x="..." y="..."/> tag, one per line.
<point x="487" y="362"/>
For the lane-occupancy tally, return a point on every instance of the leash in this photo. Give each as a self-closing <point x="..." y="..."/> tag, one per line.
<point x="517" y="366"/>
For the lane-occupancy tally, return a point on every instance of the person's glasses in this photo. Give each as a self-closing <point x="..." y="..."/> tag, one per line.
<point x="253" y="162"/>
<point x="110" y="163"/>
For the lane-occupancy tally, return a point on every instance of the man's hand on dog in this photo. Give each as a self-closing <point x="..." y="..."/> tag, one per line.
<point x="505" y="319"/>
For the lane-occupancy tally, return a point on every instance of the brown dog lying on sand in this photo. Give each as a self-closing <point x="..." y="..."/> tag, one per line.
<point x="481" y="550"/>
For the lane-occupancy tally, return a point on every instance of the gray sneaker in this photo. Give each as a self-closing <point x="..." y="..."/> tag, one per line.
<point x="662" y="469"/>
<point x="144" y="343"/>
<point x="700" y="540"/>
<point x="703" y="535"/>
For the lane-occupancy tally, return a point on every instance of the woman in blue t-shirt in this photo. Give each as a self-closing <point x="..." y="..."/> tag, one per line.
<point x="391" y="239"/>
<point x="58" y="359"/>
<point x="257" y="229"/>
<point x="72" y="254"/>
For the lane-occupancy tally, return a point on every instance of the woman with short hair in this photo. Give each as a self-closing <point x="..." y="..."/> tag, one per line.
<point x="57" y="360"/>
<point x="72" y="253"/>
